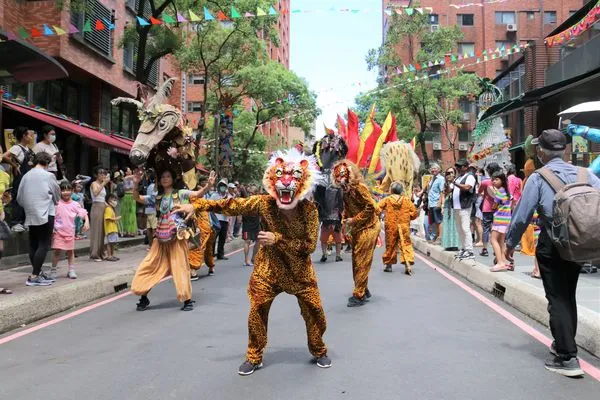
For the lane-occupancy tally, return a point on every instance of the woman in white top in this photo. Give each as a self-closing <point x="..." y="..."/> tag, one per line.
<point x="98" y="193"/>
<point x="46" y="145"/>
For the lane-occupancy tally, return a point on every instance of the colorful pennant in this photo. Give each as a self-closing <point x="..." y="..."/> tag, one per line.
<point x="591" y="18"/>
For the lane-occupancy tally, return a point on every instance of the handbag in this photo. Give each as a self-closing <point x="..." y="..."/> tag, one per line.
<point x="166" y="227"/>
<point x="5" y="232"/>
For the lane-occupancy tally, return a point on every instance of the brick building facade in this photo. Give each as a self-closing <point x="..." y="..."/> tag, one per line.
<point x="488" y="27"/>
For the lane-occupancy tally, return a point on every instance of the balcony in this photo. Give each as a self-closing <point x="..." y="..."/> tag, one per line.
<point x="578" y="61"/>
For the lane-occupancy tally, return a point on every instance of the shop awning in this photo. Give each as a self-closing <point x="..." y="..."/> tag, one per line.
<point x="94" y="137"/>
<point x="504" y="107"/>
<point x="558" y="87"/>
<point x="26" y="63"/>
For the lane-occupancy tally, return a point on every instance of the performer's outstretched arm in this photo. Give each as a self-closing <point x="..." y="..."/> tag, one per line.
<point x="304" y="247"/>
<point x="359" y="219"/>
<point x="239" y="206"/>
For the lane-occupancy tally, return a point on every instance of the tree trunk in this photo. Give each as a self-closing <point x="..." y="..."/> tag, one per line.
<point x="421" y="139"/>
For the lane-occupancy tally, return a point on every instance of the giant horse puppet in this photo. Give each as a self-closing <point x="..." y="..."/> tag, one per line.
<point x="164" y="141"/>
<point x="330" y="149"/>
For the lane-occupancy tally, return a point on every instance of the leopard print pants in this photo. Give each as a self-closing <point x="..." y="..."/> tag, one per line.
<point x="393" y="242"/>
<point x="206" y="252"/>
<point x="262" y="293"/>
<point x="363" y="247"/>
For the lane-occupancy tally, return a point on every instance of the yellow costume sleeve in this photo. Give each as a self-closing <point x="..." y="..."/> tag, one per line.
<point x="381" y="206"/>
<point x="240" y="206"/>
<point x="410" y="206"/>
<point x="370" y="207"/>
<point x="304" y="247"/>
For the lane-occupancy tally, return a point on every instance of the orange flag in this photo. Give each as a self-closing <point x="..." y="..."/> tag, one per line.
<point x="387" y="128"/>
<point x="366" y="133"/>
<point x="370" y="144"/>
<point x="352" y="139"/>
<point x="341" y="127"/>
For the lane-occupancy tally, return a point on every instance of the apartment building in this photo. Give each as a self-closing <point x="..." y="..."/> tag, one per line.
<point x="485" y="27"/>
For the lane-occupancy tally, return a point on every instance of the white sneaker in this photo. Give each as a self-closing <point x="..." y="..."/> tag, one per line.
<point x="71" y="274"/>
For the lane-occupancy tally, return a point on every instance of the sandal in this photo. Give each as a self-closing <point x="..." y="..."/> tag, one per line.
<point x="506" y="267"/>
<point x="188" y="305"/>
<point x="484" y="253"/>
<point x="534" y="276"/>
<point x="5" y="291"/>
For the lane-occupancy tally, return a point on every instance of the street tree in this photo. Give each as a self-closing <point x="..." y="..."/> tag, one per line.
<point x="419" y="90"/>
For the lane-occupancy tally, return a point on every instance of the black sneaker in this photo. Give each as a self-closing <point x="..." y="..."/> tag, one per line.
<point x="338" y="258"/>
<point x="484" y="253"/>
<point x="459" y="253"/>
<point x="247" y="368"/>
<point x="143" y="303"/>
<point x="367" y="294"/>
<point x="388" y="268"/>
<point x="323" y="258"/>
<point x="564" y="367"/>
<point x="223" y="258"/>
<point x="188" y="305"/>
<point x="211" y="272"/>
<point x="355" y="302"/>
<point x="553" y="349"/>
<point x="467" y="255"/>
<point x="194" y="277"/>
<point x="323" y="362"/>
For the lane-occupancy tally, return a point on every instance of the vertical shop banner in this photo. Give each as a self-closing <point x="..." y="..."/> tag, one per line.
<point x="226" y="140"/>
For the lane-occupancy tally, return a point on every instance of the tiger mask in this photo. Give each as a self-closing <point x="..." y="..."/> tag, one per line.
<point x="344" y="174"/>
<point x="290" y="177"/>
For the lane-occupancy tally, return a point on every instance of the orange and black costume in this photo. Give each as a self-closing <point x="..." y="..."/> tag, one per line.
<point x="205" y="252"/>
<point x="365" y="227"/>
<point x="399" y="211"/>
<point x="285" y="266"/>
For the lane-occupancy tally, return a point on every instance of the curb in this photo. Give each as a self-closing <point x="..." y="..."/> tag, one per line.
<point x="23" y="310"/>
<point x="528" y="299"/>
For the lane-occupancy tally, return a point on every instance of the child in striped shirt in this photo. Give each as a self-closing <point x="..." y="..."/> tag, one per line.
<point x="502" y="214"/>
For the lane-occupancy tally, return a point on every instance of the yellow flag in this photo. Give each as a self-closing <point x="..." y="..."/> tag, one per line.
<point x="366" y="132"/>
<point x="59" y="31"/>
<point x="387" y="125"/>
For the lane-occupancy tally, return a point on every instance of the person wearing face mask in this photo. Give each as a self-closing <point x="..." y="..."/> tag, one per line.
<point x="46" y="145"/>
<point x="220" y="194"/>
<point x="38" y="195"/>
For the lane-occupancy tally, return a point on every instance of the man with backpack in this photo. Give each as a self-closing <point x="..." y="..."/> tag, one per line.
<point x="463" y="197"/>
<point x="568" y="202"/>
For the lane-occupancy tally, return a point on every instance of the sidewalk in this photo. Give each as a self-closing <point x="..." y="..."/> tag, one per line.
<point x="523" y="292"/>
<point x="95" y="280"/>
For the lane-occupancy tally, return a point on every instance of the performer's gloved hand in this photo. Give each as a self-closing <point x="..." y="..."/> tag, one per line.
<point x="186" y="209"/>
<point x="266" y="238"/>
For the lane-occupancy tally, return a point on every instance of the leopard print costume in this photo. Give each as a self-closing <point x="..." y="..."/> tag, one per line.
<point x="286" y="265"/>
<point x="361" y="208"/>
<point x="401" y="164"/>
<point x="399" y="211"/>
<point x="204" y="254"/>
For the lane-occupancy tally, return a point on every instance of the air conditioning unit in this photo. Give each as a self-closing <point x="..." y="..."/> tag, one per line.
<point x="463" y="147"/>
<point x="511" y="27"/>
<point x="437" y="146"/>
<point x="434" y="28"/>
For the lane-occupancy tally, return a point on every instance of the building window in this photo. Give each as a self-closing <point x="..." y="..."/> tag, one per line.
<point x="466" y="48"/>
<point x="464" y="133"/>
<point x="102" y="41"/>
<point x="465" y="19"/>
<point x="505" y="17"/>
<point x="40" y="94"/>
<point x="503" y="44"/>
<point x="56" y="97"/>
<point x="530" y="15"/>
<point x="434" y="19"/>
<point x="124" y="120"/>
<point x="130" y="51"/>
<point x="195" y="79"/>
<point x="549" y="17"/>
<point x="194" y="106"/>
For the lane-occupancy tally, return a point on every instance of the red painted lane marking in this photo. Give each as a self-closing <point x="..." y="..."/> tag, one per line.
<point x="75" y="313"/>
<point x="587" y="367"/>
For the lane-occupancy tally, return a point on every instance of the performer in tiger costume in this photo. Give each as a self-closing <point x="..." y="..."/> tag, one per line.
<point x="360" y="212"/>
<point x="399" y="211"/>
<point x="283" y="263"/>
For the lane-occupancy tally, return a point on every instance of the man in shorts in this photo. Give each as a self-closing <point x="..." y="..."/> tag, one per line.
<point x="434" y="192"/>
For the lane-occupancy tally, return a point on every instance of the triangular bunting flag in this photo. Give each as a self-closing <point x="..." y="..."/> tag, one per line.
<point x="272" y="11"/>
<point x="35" y="33"/>
<point x="398" y="71"/>
<point x="48" y="31"/>
<point x="418" y="66"/>
<point x="109" y="26"/>
<point x="194" y="17"/>
<point x="99" y="25"/>
<point x="59" y="31"/>
<point x="419" y="10"/>
<point x="478" y="60"/>
<point x="494" y="57"/>
<point x="143" y="22"/>
<point x="453" y="58"/>
<point x="430" y="64"/>
<point x="167" y="19"/>
<point x="404" y="69"/>
<point x="460" y="57"/>
<point x="296" y="11"/>
<point x="484" y="52"/>
<point x="517" y="50"/>
<point x="207" y="15"/>
<point x="73" y="29"/>
<point x="221" y="16"/>
<point x="23" y="33"/>
<point x="411" y="68"/>
<point x="388" y="12"/>
<point x="409" y="11"/>
<point x="88" y="26"/>
<point x="180" y="18"/>
<point x="485" y="58"/>
<point x="11" y="36"/>
<point x="155" y="21"/>
<point x="398" y="11"/>
<point x="249" y="15"/>
<point x="235" y="13"/>
<point x="260" y="12"/>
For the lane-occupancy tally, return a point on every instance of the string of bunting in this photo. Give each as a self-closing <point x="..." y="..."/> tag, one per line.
<point x="591" y="18"/>
<point x="89" y="25"/>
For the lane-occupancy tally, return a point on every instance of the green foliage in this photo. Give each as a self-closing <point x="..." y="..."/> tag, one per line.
<point x="422" y="101"/>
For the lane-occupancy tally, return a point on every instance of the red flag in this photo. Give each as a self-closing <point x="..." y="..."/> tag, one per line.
<point x="370" y="145"/>
<point x="352" y="139"/>
<point x="35" y="33"/>
<point x="221" y="16"/>
<point x="392" y="134"/>
<point x="99" y="25"/>
<point x="342" y="131"/>
<point x="155" y="21"/>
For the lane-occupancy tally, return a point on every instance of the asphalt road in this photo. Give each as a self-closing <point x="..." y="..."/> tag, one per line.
<point x="420" y="337"/>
